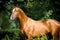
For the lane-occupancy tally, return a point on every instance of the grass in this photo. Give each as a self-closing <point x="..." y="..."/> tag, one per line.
<point x="43" y="37"/>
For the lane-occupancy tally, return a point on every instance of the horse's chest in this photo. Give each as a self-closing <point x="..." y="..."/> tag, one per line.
<point x="27" y="28"/>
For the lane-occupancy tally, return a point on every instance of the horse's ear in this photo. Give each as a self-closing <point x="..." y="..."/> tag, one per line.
<point x="16" y="5"/>
<point x="13" y="6"/>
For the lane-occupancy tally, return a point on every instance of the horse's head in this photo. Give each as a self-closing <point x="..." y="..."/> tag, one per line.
<point x="15" y="13"/>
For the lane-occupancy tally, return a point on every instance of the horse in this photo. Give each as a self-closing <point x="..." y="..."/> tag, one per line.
<point x="35" y="28"/>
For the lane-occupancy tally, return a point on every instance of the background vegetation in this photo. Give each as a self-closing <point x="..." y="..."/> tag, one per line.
<point x="35" y="9"/>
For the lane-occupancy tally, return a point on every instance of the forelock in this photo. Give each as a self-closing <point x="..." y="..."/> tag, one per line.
<point x="13" y="10"/>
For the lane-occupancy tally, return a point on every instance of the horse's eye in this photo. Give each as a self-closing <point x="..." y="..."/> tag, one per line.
<point x="16" y="11"/>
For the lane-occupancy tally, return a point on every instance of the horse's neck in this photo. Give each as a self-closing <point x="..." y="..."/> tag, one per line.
<point x="22" y="17"/>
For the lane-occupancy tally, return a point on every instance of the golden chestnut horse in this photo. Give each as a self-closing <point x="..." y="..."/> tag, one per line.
<point x="33" y="28"/>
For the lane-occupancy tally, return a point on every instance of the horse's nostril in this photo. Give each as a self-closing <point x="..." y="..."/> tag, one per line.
<point x="12" y="18"/>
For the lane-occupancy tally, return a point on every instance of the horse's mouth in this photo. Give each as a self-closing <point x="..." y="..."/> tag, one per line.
<point x="12" y="18"/>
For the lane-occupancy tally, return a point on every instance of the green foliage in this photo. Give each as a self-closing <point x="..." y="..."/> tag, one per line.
<point x="39" y="9"/>
<point x="10" y="34"/>
<point x="47" y="14"/>
<point x="35" y="9"/>
<point x="44" y="37"/>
